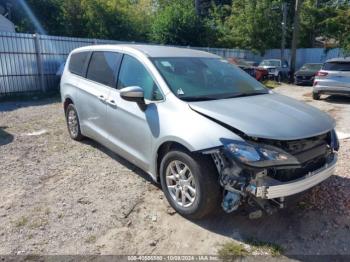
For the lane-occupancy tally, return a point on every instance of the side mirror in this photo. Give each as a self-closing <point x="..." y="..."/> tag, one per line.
<point x="133" y="94"/>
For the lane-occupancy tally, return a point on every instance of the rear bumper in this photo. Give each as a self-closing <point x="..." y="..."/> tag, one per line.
<point x="299" y="81"/>
<point x="331" y="90"/>
<point x="275" y="189"/>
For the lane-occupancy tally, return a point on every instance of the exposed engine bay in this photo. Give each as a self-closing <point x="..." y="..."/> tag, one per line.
<point x="257" y="184"/>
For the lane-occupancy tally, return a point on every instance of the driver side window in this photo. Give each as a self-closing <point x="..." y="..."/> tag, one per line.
<point x="133" y="73"/>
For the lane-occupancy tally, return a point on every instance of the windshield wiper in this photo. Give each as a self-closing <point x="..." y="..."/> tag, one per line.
<point x="207" y="98"/>
<point x="245" y="94"/>
<point x="197" y="98"/>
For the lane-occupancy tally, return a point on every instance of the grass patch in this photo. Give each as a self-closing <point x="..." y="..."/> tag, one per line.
<point x="40" y="222"/>
<point x="21" y="222"/>
<point x="91" y="239"/>
<point x="230" y="251"/>
<point x="271" y="84"/>
<point x="265" y="248"/>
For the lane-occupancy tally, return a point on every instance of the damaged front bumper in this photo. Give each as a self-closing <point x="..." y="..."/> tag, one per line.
<point x="270" y="188"/>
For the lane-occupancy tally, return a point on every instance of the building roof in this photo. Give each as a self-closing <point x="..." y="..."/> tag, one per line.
<point x="6" y="25"/>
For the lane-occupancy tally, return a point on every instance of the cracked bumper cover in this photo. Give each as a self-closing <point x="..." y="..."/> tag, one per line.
<point x="272" y="188"/>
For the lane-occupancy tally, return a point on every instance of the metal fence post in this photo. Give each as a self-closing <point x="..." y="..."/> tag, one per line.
<point x="39" y="61"/>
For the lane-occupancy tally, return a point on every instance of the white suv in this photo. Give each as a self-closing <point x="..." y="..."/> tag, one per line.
<point x="333" y="78"/>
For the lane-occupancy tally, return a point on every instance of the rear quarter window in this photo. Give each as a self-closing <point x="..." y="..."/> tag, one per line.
<point x="337" y="66"/>
<point x="78" y="62"/>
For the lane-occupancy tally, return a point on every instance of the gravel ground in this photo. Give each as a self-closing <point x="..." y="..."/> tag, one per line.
<point x="58" y="196"/>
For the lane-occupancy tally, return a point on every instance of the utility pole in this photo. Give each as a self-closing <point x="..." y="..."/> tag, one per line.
<point x="295" y="39"/>
<point x="284" y="26"/>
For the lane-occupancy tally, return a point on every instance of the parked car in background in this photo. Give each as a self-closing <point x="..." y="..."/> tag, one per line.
<point x="256" y="72"/>
<point x="333" y="78"/>
<point x="193" y="122"/>
<point x="306" y="74"/>
<point x="252" y="63"/>
<point x="277" y="69"/>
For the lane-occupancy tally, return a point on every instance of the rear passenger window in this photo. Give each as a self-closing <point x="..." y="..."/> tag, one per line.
<point x="77" y="63"/>
<point x="336" y="66"/>
<point x="103" y="67"/>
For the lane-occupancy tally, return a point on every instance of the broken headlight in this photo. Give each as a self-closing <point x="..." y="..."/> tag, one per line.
<point x="334" y="140"/>
<point x="259" y="155"/>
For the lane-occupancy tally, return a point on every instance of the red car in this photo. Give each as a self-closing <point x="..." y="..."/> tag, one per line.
<point x="257" y="72"/>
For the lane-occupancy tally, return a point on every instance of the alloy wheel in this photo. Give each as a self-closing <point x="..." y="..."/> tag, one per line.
<point x="180" y="183"/>
<point x="73" y="123"/>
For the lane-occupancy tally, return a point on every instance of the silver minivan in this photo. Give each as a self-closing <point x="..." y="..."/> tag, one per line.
<point x="203" y="128"/>
<point x="333" y="78"/>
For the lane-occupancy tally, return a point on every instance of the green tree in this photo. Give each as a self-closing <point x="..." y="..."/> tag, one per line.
<point x="338" y="27"/>
<point x="47" y="13"/>
<point x="177" y="23"/>
<point x="252" y="24"/>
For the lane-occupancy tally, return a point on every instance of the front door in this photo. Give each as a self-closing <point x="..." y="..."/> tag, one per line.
<point x="130" y="127"/>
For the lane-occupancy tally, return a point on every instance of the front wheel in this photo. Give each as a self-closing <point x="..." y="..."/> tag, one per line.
<point x="190" y="183"/>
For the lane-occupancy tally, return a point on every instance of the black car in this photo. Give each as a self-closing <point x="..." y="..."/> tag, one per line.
<point x="306" y="74"/>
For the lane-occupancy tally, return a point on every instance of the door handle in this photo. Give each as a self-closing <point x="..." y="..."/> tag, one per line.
<point x="112" y="102"/>
<point x="102" y="98"/>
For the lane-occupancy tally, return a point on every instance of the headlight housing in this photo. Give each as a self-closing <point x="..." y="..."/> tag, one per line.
<point x="334" y="140"/>
<point x="259" y="155"/>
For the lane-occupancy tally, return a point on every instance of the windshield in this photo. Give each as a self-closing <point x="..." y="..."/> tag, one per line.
<point x="311" y="67"/>
<point x="275" y="63"/>
<point x="197" y="78"/>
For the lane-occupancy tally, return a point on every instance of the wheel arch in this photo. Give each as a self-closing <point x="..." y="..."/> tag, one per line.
<point x="67" y="101"/>
<point x="166" y="147"/>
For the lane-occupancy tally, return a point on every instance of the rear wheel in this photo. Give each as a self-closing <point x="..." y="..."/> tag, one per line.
<point x="316" y="96"/>
<point x="73" y="124"/>
<point x="190" y="183"/>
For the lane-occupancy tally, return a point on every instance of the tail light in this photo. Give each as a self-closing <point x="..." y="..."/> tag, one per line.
<point x="321" y="73"/>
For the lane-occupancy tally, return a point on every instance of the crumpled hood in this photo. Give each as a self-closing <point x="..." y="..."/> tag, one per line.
<point x="271" y="116"/>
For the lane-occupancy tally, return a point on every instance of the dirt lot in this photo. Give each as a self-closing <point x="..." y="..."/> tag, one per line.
<point x="58" y="196"/>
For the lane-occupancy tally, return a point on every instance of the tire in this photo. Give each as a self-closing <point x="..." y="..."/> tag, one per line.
<point x="73" y="123"/>
<point x="316" y="96"/>
<point x="205" y="177"/>
<point x="279" y="78"/>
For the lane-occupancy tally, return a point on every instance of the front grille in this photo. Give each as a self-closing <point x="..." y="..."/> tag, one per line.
<point x="285" y="175"/>
<point x="295" y="147"/>
<point x="312" y="153"/>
